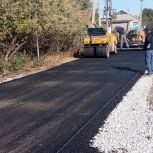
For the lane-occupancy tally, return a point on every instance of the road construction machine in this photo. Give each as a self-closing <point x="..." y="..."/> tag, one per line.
<point x="136" y="38"/>
<point x="100" y="41"/>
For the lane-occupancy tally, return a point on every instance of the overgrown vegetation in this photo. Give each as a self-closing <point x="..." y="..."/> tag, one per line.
<point x="55" y="24"/>
<point x="2" y="65"/>
<point x="147" y="16"/>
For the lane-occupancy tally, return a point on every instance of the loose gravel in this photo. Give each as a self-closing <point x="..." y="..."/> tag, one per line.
<point x="129" y="128"/>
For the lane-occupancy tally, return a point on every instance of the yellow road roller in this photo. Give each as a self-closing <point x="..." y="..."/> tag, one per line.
<point x="99" y="43"/>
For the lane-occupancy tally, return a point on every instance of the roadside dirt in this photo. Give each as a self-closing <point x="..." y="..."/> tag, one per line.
<point x="48" y="62"/>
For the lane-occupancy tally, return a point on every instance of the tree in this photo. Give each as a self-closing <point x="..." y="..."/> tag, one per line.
<point x="85" y="4"/>
<point x="55" y="22"/>
<point x="147" y="16"/>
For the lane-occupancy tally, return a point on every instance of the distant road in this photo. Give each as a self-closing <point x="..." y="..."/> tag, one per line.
<point x="41" y="112"/>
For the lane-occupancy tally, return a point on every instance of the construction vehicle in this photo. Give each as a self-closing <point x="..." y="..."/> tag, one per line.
<point x="100" y="41"/>
<point x="136" y="38"/>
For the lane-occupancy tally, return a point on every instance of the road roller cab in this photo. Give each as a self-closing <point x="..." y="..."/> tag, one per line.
<point x="99" y="43"/>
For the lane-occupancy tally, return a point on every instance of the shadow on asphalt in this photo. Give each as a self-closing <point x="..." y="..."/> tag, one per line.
<point x="131" y="49"/>
<point x="125" y="69"/>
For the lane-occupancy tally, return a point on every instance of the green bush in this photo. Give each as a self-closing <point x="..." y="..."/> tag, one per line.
<point x="147" y="16"/>
<point x="56" y="24"/>
<point x="2" y="65"/>
<point x="36" y="62"/>
<point x="18" y="62"/>
<point x="53" y="21"/>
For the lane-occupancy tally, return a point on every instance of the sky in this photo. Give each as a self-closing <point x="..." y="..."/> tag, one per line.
<point x="130" y="6"/>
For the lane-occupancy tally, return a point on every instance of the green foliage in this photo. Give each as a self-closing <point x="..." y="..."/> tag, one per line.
<point x="2" y="65"/>
<point x="32" y="17"/>
<point x="57" y="24"/>
<point x="85" y="4"/>
<point x="36" y="62"/>
<point x="147" y="16"/>
<point x="18" y="62"/>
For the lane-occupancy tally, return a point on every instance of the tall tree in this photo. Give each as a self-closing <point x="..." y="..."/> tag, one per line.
<point x="56" y="21"/>
<point x="85" y="4"/>
<point x="147" y="16"/>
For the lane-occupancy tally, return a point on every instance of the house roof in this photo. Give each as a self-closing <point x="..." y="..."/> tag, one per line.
<point x="121" y="12"/>
<point x="124" y="16"/>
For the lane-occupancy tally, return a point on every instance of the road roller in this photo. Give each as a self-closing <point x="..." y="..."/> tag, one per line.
<point x="99" y="43"/>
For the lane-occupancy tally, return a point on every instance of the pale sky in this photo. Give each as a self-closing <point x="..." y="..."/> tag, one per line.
<point x="131" y="6"/>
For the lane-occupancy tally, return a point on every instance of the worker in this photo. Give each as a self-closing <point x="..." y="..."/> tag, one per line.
<point x="116" y="34"/>
<point x="122" y="36"/>
<point x="148" y="47"/>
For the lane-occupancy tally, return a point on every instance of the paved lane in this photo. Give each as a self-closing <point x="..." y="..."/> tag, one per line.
<point x="39" y="113"/>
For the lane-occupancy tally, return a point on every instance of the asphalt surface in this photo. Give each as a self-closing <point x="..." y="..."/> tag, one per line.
<point x="55" y="109"/>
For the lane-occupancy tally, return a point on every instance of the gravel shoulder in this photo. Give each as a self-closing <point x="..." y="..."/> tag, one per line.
<point x="150" y="99"/>
<point x="129" y="128"/>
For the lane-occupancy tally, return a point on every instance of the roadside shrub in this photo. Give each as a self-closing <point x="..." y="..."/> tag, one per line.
<point x="18" y="62"/>
<point x="56" y="23"/>
<point x="2" y="65"/>
<point x="53" y="26"/>
<point x="37" y="62"/>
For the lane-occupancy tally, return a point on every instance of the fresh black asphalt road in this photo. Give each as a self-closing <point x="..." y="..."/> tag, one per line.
<point x="42" y="112"/>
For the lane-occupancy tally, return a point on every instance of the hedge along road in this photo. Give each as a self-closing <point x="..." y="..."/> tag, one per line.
<point x="43" y="112"/>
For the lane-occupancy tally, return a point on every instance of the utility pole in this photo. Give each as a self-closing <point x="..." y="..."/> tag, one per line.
<point x="100" y="12"/>
<point x="141" y="11"/>
<point x="94" y="12"/>
<point x="108" y="13"/>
